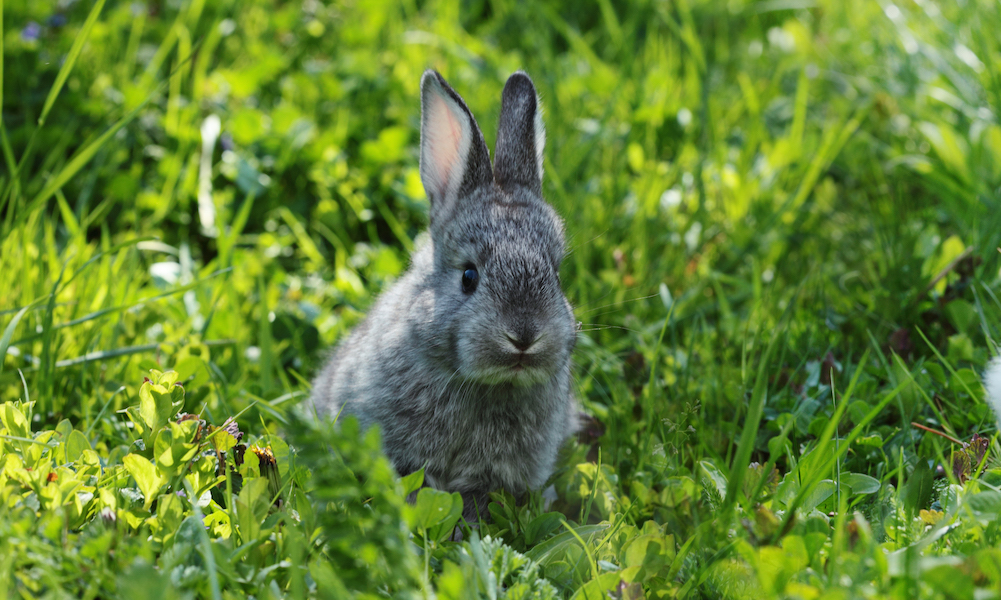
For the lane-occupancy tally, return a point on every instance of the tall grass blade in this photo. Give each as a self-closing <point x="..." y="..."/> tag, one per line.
<point x="48" y="372"/>
<point x="9" y="331"/>
<point x="818" y="467"/>
<point x="747" y="438"/>
<point x="11" y="193"/>
<point x="1" y="75"/>
<point x="97" y="314"/>
<point x="79" y="160"/>
<point x="84" y="156"/>
<point x="70" y="61"/>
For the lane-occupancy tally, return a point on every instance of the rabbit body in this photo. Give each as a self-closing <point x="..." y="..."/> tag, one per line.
<point x="464" y="362"/>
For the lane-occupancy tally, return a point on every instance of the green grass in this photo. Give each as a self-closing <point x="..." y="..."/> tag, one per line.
<point x="784" y="221"/>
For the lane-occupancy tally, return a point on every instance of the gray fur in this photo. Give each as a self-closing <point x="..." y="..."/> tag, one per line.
<point x="520" y="136"/>
<point x="436" y="367"/>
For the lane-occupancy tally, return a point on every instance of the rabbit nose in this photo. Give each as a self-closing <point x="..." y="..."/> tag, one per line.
<point x="523" y="340"/>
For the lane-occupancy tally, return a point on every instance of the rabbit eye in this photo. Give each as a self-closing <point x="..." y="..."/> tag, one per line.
<point x="469" y="280"/>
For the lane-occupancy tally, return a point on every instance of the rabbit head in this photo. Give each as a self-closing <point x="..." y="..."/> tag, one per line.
<point x="499" y="314"/>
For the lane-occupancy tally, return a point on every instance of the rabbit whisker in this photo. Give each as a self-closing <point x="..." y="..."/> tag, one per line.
<point x="620" y="303"/>
<point x="587" y="243"/>
<point x="601" y="327"/>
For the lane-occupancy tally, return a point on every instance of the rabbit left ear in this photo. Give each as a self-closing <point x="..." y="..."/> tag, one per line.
<point x="454" y="158"/>
<point x="521" y="136"/>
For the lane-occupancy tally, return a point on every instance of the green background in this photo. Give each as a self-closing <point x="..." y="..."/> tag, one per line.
<point x="783" y="222"/>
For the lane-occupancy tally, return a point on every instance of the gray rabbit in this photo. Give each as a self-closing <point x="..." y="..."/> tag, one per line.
<point x="465" y="361"/>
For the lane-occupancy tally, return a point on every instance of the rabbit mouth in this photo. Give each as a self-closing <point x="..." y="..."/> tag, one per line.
<point x="506" y="361"/>
<point x="523" y="375"/>
<point x="517" y="370"/>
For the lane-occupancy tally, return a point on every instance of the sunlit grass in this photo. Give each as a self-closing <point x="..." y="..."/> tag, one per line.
<point x="783" y="222"/>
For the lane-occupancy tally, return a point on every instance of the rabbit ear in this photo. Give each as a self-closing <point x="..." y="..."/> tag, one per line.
<point x="454" y="157"/>
<point x="521" y="136"/>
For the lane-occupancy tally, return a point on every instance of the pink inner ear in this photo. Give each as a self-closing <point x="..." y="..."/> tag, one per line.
<point x="444" y="135"/>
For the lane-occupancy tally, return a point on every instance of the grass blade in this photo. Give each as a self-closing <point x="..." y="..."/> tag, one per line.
<point x="9" y="332"/>
<point x="48" y="372"/>
<point x="108" y="354"/>
<point x="947" y="364"/>
<point x="115" y="309"/>
<point x="205" y="546"/>
<point x="743" y="457"/>
<point x="105" y="355"/>
<point x="84" y="156"/>
<point x="1" y="60"/>
<point x="70" y="61"/>
<point x="80" y="159"/>
<point x="817" y="471"/>
<point x="64" y="72"/>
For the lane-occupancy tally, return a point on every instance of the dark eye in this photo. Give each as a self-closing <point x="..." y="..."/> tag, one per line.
<point x="469" y="280"/>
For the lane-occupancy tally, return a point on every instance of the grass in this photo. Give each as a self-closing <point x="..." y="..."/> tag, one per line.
<point x="784" y="231"/>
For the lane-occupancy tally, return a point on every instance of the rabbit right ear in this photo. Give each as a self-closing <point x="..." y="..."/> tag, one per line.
<point x="454" y="157"/>
<point x="521" y="136"/>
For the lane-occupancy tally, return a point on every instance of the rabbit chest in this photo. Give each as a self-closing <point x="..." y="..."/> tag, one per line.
<point x="483" y="438"/>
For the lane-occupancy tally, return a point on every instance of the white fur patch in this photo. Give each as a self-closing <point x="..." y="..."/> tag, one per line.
<point x="540" y="134"/>
<point x="992" y="382"/>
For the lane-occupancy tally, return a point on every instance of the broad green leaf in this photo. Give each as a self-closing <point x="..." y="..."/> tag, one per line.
<point x="949" y="580"/>
<point x="541" y="526"/>
<point x="251" y="466"/>
<point x="158" y="403"/>
<point x="75" y="445"/>
<point x="140" y="425"/>
<point x="601" y="587"/>
<point x="917" y="489"/>
<point x="966" y="380"/>
<point x="164" y="378"/>
<point x="962" y="315"/>
<point x="435" y="511"/>
<point x="173" y="449"/>
<point x="202" y="473"/>
<point x="985" y="505"/>
<point x="556" y="547"/>
<point x="14" y="421"/>
<point x="192" y="361"/>
<point x="825" y="488"/>
<point x="146" y="476"/>
<point x="412" y="482"/>
<point x="64" y="428"/>
<point x="650" y="553"/>
<point x="222" y="440"/>
<point x="218" y="523"/>
<point x="169" y="514"/>
<point x="861" y="484"/>
<point x="252" y="507"/>
<point x="960" y="348"/>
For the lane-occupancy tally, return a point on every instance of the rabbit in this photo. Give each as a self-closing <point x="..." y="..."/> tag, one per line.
<point x="465" y="362"/>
